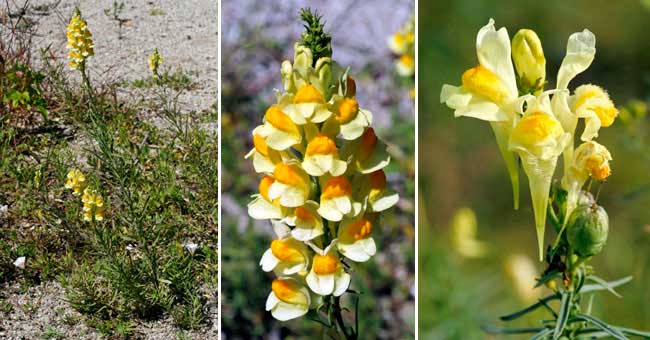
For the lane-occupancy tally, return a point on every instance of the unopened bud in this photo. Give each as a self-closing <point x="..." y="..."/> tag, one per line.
<point x="530" y="63"/>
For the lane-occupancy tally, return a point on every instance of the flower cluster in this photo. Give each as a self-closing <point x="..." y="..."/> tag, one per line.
<point x="93" y="203"/>
<point x="80" y="42"/>
<point x="76" y="181"/>
<point x="154" y="62"/>
<point x="534" y="126"/>
<point x="402" y="43"/>
<point x="323" y="186"/>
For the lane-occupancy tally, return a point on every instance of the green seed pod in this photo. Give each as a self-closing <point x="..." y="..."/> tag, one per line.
<point x="586" y="198"/>
<point x="587" y="230"/>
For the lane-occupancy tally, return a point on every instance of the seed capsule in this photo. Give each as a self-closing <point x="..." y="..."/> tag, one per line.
<point x="588" y="229"/>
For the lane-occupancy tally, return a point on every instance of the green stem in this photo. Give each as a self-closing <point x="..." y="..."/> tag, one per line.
<point x="340" y="322"/>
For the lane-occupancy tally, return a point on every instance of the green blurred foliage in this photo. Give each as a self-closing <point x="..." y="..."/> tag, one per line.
<point x="465" y="168"/>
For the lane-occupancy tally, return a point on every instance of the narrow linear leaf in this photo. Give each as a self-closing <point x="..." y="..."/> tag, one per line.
<point x="602" y="325"/>
<point x="542" y="334"/>
<point x="605" y="284"/>
<point x="563" y="315"/>
<point x="609" y="285"/>
<point x="593" y="335"/>
<point x="499" y="330"/>
<point x="590" y="304"/>
<point x="548" y="308"/>
<point x="634" y="332"/>
<point x="530" y="308"/>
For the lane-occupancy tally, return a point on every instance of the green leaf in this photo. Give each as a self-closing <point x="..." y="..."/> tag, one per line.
<point x="602" y="325"/>
<point x="499" y="330"/>
<point x="530" y="308"/>
<point x="563" y="315"/>
<point x="542" y="334"/>
<point x="605" y="285"/>
<point x="634" y="332"/>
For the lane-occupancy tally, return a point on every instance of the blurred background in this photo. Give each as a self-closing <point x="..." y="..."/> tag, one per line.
<point x="460" y="166"/>
<point x="256" y="37"/>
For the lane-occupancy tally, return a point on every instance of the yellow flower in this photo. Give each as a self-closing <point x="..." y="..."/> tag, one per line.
<point x="307" y="222"/>
<point x="355" y="238"/>
<point x="279" y="131"/>
<point x="288" y="299"/>
<point x="76" y="181"/>
<point x="286" y="255"/>
<point x="327" y="276"/>
<point x="291" y="185"/>
<point x="348" y="119"/>
<point x="80" y="44"/>
<point x="369" y="152"/>
<point x="262" y="207"/>
<point x="93" y="205"/>
<point x="373" y="187"/>
<point x="522" y="272"/>
<point x="303" y="72"/>
<point x="402" y="43"/>
<point x="336" y="199"/>
<point x="593" y="159"/>
<point x="589" y="159"/>
<point x="539" y="139"/>
<point x="322" y="156"/>
<point x="463" y="232"/>
<point x="594" y="105"/>
<point x="154" y="61"/>
<point x="489" y="92"/>
<point x="399" y="42"/>
<point x="405" y="65"/>
<point x="307" y="105"/>
<point x="264" y="157"/>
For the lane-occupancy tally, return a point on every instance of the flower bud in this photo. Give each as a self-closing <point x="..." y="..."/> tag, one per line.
<point x="530" y="63"/>
<point x="587" y="230"/>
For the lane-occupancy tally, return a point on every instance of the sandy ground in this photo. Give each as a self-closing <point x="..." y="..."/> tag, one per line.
<point x="185" y="33"/>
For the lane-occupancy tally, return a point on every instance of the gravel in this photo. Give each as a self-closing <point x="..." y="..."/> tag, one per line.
<point x="41" y="312"/>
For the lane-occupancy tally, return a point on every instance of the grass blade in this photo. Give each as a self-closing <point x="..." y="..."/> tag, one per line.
<point x="530" y="308"/>
<point x="563" y="315"/>
<point x="602" y="325"/>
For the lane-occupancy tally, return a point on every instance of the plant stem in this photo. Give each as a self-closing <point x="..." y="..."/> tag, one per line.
<point x="339" y="320"/>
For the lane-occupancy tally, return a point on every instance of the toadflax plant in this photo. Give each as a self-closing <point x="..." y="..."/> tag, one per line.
<point x="323" y="186"/>
<point x="534" y="127"/>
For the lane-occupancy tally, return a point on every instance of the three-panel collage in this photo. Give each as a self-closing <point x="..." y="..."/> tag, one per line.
<point x="324" y="169"/>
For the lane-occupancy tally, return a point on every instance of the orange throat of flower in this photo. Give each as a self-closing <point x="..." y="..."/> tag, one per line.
<point x="280" y="120"/>
<point x="358" y="230"/>
<point x="325" y="264"/>
<point x="337" y="187"/>
<point x="308" y="94"/>
<point x="286" y="251"/>
<point x="287" y="291"/>
<point x="321" y="145"/>
<point x="347" y="111"/>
